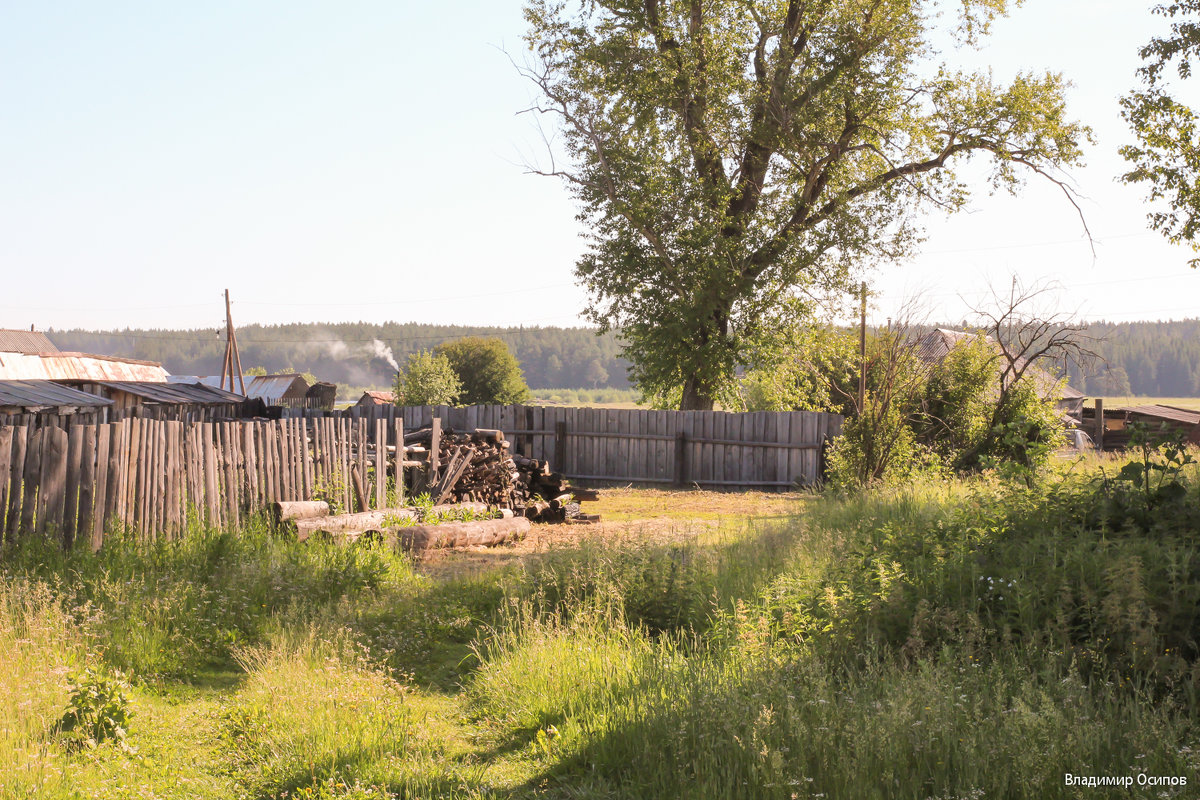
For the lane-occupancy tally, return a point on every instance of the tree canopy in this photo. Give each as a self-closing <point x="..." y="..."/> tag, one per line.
<point x="486" y="369"/>
<point x="1166" y="157"/>
<point x="428" y="380"/>
<point x="731" y="155"/>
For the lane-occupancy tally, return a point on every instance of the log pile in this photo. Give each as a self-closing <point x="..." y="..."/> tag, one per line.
<point x="478" y="466"/>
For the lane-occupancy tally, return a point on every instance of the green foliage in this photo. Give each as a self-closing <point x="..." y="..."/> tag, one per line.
<point x="429" y="379"/>
<point x="957" y="413"/>
<point x="97" y="708"/>
<point x="1151" y="487"/>
<point x="728" y="160"/>
<point x="958" y="400"/>
<point x="801" y="370"/>
<point x="1025" y="432"/>
<point x="487" y="371"/>
<point x="939" y="640"/>
<point x="584" y="397"/>
<point x="1165" y="156"/>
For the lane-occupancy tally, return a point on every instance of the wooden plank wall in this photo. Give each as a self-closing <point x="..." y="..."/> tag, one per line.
<point x="762" y="449"/>
<point x="154" y="477"/>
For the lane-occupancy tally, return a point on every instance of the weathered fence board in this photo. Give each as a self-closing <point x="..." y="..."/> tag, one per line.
<point x="76" y="481"/>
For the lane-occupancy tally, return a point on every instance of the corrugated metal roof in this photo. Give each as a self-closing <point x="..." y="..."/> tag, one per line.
<point x="173" y="393"/>
<point x="938" y="343"/>
<point x="268" y="388"/>
<point x="25" y="342"/>
<point x="1171" y="413"/>
<point x="77" y="366"/>
<point x="36" y="394"/>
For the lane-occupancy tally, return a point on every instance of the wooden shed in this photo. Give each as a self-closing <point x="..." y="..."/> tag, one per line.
<point x="322" y="395"/>
<point x="371" y="399"/>
<point x="23" y="401"/>
<point x="184" y="402"/>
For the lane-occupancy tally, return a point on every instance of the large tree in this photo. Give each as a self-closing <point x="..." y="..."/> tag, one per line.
<point x="1166" y="156"/>
<point x="731" y="155"/>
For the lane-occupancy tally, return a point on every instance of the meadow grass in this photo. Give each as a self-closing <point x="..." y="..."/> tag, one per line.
<point x="945" y="639"/>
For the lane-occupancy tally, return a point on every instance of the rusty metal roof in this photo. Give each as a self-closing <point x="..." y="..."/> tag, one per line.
<point x="1171" y="413"/>
<point x="25" y="342"/>
<point x="270" y="389"/>
<point x="77" y="366"/>
<point x="46" y="394"/>
<point x="173" y="393"/>
<point x="379" y="398"/>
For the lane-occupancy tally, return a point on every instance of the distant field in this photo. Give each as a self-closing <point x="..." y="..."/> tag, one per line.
<point x="1178" y="402"/>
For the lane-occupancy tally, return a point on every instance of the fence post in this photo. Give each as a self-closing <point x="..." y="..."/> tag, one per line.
<point x="1099" y="423"/>
<point x="681" y="465"/>
<point x="560" y="446"/>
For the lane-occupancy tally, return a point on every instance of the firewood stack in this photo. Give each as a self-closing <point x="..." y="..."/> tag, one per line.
<point x="477" y="466"/>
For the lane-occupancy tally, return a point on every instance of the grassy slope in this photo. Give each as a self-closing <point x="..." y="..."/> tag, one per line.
<point x="942" y="641"/>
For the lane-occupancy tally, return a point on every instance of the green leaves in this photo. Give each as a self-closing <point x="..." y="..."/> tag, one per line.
<point x="729" y="157"/>
<point x="486" y="371"/>
<point x="1165" y="157"/>
<point x="429" y="380"/>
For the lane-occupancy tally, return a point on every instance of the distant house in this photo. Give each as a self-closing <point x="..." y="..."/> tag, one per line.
<point x="937" y="344"/>
<point x="377" y="399"/>
<point x="30" y="355"/>
<point x="287" y="391"/>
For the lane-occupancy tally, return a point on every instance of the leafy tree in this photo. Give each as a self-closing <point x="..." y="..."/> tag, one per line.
<point x="429" y="380"/>
<point x="730" y="154"/>
<point x="596" y="373"/>
<point x="1165" y="156"/>
<point x="487" y="370"/>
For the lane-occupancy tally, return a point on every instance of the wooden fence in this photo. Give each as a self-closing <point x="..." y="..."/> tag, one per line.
<point x="152" y="475"/>
<point x="763" y="449"/>
<point x="77" y="480"/>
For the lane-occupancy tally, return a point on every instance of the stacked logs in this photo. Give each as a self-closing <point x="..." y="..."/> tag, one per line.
<point x="478" y="466"/>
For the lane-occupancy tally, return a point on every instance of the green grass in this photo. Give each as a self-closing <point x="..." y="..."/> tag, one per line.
<point x="946" y="640"/>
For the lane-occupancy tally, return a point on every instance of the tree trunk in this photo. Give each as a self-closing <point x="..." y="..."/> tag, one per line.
<point x="694" y="398"/>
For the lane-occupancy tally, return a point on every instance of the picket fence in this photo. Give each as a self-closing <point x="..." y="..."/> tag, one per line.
<point x="152" y="476"/>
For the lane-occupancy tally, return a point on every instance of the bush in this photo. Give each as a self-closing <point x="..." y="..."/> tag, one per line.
<point x="486" y="369"/>
<point x="429" y="380"/>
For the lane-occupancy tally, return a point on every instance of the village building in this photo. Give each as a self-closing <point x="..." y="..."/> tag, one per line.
<point x="937" y="344"/>
<point x="20" y="401"/>
<point x="278" y="391"/>
<point x="30" y="355"/>
<point x="371" y="399"/>
<point x="181" y="402"/>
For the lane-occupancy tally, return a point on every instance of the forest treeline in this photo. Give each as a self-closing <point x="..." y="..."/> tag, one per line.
<point x="1160" y="359"/>
<point x="357" y="353"/>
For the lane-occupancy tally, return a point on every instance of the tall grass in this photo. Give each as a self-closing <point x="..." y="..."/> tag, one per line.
<point x="963" y="639"/>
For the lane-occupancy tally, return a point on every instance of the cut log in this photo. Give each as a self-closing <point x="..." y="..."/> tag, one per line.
<point x="487" y="532"/>
<point x="300" y="509"/>
<point x="585" y="495"/>
<point x="354" y="525"/>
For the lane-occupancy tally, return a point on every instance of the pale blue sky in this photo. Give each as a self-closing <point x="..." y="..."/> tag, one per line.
<point x="351" y="161"/>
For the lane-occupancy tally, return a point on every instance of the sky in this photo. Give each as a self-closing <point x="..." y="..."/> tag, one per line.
<point x="364" y="161"/>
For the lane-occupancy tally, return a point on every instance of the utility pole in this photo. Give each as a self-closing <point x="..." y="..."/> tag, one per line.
<point x="862" y="349"/>
<point x="232" y="364"/>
